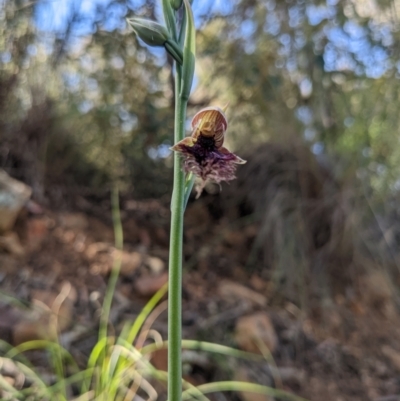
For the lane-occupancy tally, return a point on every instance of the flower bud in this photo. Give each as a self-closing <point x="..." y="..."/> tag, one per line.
<point x="176" y="4"/>
<point x="152" y="33"/>
<point x="169" y="18"/>
<point x="189" y="51"/>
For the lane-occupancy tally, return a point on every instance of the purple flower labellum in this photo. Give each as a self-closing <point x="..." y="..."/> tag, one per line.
<point x="203" y="153"/>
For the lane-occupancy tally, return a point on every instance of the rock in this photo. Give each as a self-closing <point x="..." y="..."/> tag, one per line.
<point x="97" y="247"/>
<point x="159" y="359"/>
<point x="13" y="196"/>
<point x="190" y="359"/>
<point x="147" y="286"/>
<point x="36" y="233"/>
<point x="100" y="257"/>
<point x="237" y="292"/>
<point x="29" y="330"/>
<point x="74" y="221"/>
<point x="130" y="261"/>
<point x="104" y="255"/>
<point x="255" y="332"/>
<point x="10" y="243"/>
<point x="155" y="264"/>
<point x="52" y="314"/>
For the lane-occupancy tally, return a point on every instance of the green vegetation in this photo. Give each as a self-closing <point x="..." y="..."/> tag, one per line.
<point x="323" y="73"/>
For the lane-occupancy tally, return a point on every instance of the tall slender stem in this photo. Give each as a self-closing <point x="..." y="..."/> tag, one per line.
<point x="175" y="256"/>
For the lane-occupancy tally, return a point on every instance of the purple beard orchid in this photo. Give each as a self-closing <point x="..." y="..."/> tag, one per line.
<point x="203" y="153"/>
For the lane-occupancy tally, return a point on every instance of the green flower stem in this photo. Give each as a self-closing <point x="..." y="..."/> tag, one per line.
<point x="183" y="84"/>
<point x="175" y="256"/>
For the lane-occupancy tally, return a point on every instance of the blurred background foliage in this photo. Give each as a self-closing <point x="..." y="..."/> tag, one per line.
<point x="313" y="93"/>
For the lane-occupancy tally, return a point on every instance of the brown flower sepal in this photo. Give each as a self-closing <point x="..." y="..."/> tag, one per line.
<point x="203" y="153"/>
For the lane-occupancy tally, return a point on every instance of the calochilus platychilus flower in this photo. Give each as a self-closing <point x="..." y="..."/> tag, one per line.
<point x="203" y="153"/>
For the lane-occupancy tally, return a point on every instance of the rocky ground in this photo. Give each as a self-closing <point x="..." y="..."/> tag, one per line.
<point x="58" y="263"/>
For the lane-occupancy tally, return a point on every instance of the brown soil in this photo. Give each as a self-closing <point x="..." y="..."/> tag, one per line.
<point x="347" y="349"/>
